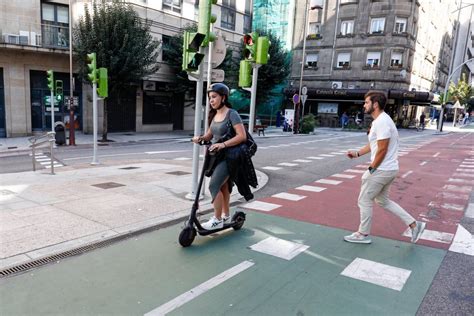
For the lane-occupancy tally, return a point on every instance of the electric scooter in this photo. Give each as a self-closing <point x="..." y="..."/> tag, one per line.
<point x="193" y="226"/>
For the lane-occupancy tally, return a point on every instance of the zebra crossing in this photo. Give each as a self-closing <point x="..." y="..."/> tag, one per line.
<point x="45" y="161"/>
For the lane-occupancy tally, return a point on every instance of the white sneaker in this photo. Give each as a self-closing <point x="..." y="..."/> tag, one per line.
<point x="213" y="223"/>
<point x="226" y="219"/>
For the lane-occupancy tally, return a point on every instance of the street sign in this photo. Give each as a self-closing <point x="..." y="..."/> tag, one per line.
<point x="304" y="91"/>
<point x="296" y="99"/>
<point x="218" y="52"/>
<point x="48" y="109"/>
<point x="217" y="75"/>
<point x="74" y="99"/>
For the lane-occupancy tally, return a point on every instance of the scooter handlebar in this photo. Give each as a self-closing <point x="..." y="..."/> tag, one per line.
<point x="203" y="142"/>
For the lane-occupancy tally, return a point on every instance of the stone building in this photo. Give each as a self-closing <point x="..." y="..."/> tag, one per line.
<point x="35" y="38"/>
<point x="403" y="47"/>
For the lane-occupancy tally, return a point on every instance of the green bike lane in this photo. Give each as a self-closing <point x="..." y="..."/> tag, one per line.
<point x="151" y="273"/>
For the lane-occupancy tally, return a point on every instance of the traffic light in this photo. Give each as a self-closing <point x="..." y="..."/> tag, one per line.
<point x="103" y="89"/>
<point x="50" y="75"/>
<point x="191" y="56"/>
<point x="250" y="50"/>
<point x="92" y="66"/>
<point x="59" y="90"/>
<point x="263" y="44"/>
<point x="245" y="74"/>
<point x="206" y="18"/>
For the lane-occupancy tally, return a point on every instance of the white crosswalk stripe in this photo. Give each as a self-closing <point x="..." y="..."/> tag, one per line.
<point x="271" y="168"/>
<point x="315" y="158"/>
<point x="310" y="188"/>
<point x="355" y="171"/>
<point x="327" y="181"/>
<point x="289" y="196"/>
<point x="301" y="160"/>
<point x="287" y="164"/>
<point x="343" y="176"/>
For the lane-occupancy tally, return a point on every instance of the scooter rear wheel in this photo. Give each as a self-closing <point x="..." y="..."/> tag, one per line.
<point x="186" y="237"/>
<point x="239" y="219"/>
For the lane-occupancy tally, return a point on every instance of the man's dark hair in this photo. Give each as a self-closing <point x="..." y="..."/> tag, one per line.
<point x="377" y="96"/>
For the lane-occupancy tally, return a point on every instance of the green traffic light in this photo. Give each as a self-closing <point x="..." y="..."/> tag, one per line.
<point x="263" y="45"/>
<point x="103" y="89"/>
<point x="245" y="74"/>
<point x="50" y="78"/>
<point x="59" y="90"/>
<point x="92" y="67"/>
<point x="191" y="56"/>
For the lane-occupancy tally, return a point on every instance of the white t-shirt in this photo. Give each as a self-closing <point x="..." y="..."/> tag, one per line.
<point x="384" y="128"/>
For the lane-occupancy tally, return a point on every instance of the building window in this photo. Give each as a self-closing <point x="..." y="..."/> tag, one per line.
<point x="165" y="44"/>
<point x="229" y="3"/>
<point x="228" y="18"/>
<point x="343" y="60"/>
<point x="347" y="27"/>
<point x="55" y="25"/>
<point x="314" y="28"/>
<point x="247" y="23"/>
<point x="373" y="59"/>
<point x="377" y="25"/>
<point x="348" y="1"/>
<point x="312" y="60"/>
<point x="400" y="25"/>
<point x="396" y="60"/>
<point x="172" y="5"/>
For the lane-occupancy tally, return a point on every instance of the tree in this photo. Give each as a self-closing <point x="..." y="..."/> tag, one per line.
<point x="123" y="44"/>
<point x="460" y="92"/>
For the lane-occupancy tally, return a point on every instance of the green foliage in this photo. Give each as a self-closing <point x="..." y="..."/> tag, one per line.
<point x="308" y="124"/>
<point x="121" y="40"/>
<point x="460" y="92"/>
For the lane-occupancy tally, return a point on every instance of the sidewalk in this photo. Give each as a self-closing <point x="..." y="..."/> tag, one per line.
<point x="42" y="214"/>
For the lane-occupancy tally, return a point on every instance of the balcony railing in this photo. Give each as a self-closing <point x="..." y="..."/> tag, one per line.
<point x="37" y="35"/>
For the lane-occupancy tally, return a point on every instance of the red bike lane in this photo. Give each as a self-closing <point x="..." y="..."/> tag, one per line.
<point x="433" y="185"/>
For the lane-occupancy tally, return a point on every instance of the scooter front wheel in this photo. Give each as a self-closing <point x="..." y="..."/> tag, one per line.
<point x="238" y="219"/>
<point x="186" y="237"/>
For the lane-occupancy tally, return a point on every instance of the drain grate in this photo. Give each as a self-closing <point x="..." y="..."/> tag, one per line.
<point x="108" y="185"/>
<point x="178" y="173"/>
<point x="129" y="168"/>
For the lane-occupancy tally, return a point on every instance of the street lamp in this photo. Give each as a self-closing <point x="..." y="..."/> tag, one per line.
<point x="306" y="13"/>
<point x="72" y="138"/>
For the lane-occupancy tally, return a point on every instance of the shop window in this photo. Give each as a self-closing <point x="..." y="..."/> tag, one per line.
<point x="165" y="44"/>
<point x="157" y="108"/>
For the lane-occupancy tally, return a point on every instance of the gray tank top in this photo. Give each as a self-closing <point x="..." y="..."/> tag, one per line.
<point x="219" y="129"/>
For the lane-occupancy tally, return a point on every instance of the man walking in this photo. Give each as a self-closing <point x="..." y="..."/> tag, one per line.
<point x="422" y="121"/>
<point x="383" y="169"/>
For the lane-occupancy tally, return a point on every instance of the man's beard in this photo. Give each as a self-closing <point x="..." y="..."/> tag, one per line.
<point x="370" y="110"/>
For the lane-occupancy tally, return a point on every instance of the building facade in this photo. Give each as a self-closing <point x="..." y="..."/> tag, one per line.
<point x="403" y="47"/>
<point x="35" y="38"/>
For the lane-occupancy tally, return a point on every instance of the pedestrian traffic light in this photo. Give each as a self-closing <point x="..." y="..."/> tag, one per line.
<point x="250" y="42"/>
<point x="50" y="75"/>
<point x="263" y="44"/>
<point x="191" y="56"/>
<point x="103" y="89"/>
<point x="92" y="67"/>
<point x="206" y="18"/>
<point x="245" y="74"/>
<point x="59" y="90"/>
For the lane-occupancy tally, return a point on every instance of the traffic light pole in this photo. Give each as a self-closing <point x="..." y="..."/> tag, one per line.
<point x="52" y="111"/>
<point x="94" y="122"/>
<point x="253" y="96"/>
<point x="197" y="132"/>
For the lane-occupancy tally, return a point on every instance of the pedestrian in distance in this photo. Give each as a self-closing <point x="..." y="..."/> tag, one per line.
<point x="422" y="121"/>
<point x="382" y="171"/>
<point x="220" y="185"/>
<point x="344" y="120"/>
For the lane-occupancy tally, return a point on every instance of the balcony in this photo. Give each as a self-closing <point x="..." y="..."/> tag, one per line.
<point x="314" y="37"/>
<point x="33" y="36"/>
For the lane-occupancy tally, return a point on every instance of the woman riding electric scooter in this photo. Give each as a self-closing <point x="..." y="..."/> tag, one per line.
<point x="219" y="116"/>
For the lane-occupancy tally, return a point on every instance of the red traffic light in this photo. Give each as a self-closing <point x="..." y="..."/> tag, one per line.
<point x="248" y="40"/>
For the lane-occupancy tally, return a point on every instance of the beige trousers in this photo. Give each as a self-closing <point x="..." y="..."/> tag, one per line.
<point x="376" y="187"/>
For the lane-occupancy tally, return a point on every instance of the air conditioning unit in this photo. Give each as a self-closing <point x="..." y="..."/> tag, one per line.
<point x="24" y="38"/>
<point x="11" y="39"/>
<point x="336" y="85"/>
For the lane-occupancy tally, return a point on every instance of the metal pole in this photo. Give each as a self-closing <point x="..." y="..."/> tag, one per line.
<point x="445" y="95"/>
<point x="52" y="111"/>
<point x="72" y="138"/>
<point x="94" y="122"/>
<point x="208" y="106"/>
<point x="51" y="145"/>
<point x="306" y="12"/>
<point x="197" y="132"/>
<point x="253" y="96"/>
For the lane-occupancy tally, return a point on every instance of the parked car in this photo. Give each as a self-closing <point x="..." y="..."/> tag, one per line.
<point x="246" y="118"/>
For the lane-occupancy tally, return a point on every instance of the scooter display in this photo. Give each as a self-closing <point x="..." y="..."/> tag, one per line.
<point x="193" y="226"/>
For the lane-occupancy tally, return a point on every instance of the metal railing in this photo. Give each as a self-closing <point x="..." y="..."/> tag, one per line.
<point x="38" y="141"/>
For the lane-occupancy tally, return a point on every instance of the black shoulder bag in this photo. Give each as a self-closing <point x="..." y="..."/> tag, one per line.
<point x="250" y="142"/>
